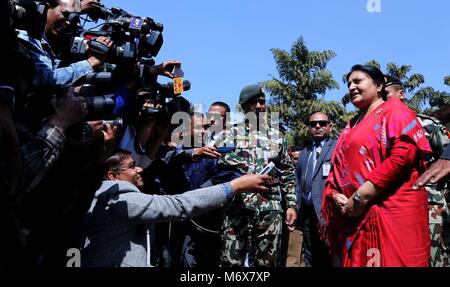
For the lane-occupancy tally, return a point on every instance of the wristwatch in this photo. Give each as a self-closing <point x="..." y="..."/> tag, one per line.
<point x="357" y="198"/>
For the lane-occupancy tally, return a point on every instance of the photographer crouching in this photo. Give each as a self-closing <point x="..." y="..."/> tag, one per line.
<point x="116" y="231"/>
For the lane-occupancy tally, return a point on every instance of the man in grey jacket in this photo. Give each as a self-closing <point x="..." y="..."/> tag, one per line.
<point x="115" y="230"/>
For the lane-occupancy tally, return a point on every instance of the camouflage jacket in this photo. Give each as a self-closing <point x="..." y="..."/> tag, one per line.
<point x="438" y="137"/>
<point x="254" y="150"/>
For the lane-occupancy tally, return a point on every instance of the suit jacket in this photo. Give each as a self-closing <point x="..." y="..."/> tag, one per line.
<point x="318" y="181"/>
<point x="115" y="227"/>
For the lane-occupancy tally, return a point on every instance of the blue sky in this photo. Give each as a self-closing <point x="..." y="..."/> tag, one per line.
<point x="225" y="45"/>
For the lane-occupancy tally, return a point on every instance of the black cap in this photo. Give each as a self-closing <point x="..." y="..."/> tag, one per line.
<point x="392" y="80"/>
<point x="249" y="92"/>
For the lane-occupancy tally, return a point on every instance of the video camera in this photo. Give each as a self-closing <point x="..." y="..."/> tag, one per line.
<point x="26" y="15"/>
<point x="18" y="14"/>
<point x="136" y="41"/>
<point x="134" y="37"/>
<point x="162" y="101"/>
<point x="99" y="106"/>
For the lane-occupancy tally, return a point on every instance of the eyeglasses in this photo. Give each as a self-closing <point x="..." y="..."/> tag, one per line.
<point x="313" y="124"/>
<point x="261" y="101"/>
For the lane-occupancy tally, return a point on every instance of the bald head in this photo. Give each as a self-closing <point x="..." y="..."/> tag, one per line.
<point x="318" y="115"/>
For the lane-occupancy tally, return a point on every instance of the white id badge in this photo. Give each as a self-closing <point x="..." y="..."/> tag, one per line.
<point x="326" y="169"/>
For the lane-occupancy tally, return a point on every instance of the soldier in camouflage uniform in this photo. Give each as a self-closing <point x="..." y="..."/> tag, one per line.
<point x="438" y="194"/>
<point x="251" y="221"/>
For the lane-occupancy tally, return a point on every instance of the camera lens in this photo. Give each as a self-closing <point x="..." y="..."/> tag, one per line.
<point x="114" y="123"/>
<point x="99" y="106"/>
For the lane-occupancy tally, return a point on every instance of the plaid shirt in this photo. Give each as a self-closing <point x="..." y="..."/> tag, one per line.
<point x="39" y="155"/>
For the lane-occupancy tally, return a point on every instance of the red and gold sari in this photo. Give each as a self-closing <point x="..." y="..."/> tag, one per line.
<point x="388" y="148"/>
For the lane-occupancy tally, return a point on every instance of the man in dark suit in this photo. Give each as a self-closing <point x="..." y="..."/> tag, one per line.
<point x="313" y="167"/>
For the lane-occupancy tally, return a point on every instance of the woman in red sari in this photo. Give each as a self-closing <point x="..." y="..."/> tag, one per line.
<point x="371" y="216"/>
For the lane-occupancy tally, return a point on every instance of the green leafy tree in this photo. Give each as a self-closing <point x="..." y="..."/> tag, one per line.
<point x="422" y="99"/>
<point x="299" y="90"/>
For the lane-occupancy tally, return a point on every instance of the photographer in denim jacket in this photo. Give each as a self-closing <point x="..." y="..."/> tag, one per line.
<point x="41" y="52"/>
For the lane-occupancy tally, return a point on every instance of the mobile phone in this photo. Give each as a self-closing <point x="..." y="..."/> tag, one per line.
<point x="268" y="168"/>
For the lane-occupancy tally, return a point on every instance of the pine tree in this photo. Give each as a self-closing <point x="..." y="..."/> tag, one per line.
<point x="299" y="90"/>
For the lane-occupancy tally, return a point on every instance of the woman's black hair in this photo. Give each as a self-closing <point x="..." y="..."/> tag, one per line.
<point x="373" y="72"/>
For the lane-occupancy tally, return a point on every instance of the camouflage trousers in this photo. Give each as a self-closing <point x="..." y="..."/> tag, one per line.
<point x="257" y="232"/>
<point x="439" y="223"/>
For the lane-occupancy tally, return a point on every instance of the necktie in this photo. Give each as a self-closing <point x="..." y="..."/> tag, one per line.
<point x="313" y="156"/>
<point x="317" y="150"/>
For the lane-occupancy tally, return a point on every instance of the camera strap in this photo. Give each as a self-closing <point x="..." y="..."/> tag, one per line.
<point x="97" y="48"/>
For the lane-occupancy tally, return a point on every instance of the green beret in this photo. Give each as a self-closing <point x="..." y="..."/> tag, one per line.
<point x="249" y="92"/>
<point x="391" y="80"/>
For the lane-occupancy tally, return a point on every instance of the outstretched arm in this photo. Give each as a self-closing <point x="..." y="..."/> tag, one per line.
<point x="437" y="171"/>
